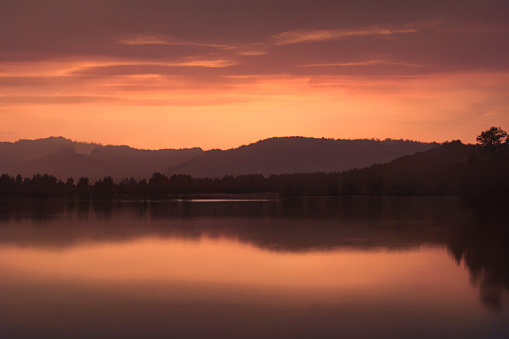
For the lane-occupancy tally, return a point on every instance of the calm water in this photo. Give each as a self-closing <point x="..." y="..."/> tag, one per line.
<point x="319" y="268"/>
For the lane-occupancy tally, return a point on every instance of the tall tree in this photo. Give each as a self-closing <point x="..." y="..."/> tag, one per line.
<point x="492" y="137"/>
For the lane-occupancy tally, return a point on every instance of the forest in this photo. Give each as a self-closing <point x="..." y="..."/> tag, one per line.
<point x="479" y="173"/>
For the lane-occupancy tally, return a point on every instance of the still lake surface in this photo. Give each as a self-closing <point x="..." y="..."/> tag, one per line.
<point x="310" y="268"/>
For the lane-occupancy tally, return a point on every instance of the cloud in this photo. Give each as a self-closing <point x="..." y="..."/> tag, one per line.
<point x="250" y="52"/>
<point x="315" y="35"/>
<point x="212" y="63"/>
<point x="242" y="49"/>
<point x="55" y="99"/>
<point x="122" y="100"/>
<point x="139" y="39"/>
<point x="364" y="63"/>
<point x="139" y="67"/>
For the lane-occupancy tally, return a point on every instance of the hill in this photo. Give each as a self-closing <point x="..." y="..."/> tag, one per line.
<point x="438" y="171"/>
<point x="477" y="174"/>
<point x="296" y="155"/>
<point x="65" y="158"/>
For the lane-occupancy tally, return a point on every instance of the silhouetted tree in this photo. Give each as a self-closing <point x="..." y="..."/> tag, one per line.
<point x="105" y="188"/>
<point x="9" y="187"/>
<point x="82" y="189"/>
<point x="487" y="184"/>
<point x="492" y="137"/>
<point x="351" y="183"/>
<point x="69" y="187"/>
<point x="158" y="185"/>
<point x="142" y="189"/>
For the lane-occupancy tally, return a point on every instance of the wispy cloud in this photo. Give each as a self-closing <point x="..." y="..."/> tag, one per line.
<point x="212" y="63"/>
<point x="188" y="62"/>
<point x="140" y="39"/>
<point x="364" y="63"/>
<point x="16" y="75"/>
<point x="243" y="49"/>
<point x="314" y="35"/>
<point x="57" y="99"/>
<point x="250" y="52"/>
<point x="248" y="48"/>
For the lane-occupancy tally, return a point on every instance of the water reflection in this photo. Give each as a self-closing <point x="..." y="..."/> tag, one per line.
<point x="298" y="225"/>
<point x="483" y="246"/>
<point x="304" y="268"/>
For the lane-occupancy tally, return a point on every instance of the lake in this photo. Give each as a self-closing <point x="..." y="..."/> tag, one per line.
<point x="306" y="268"/>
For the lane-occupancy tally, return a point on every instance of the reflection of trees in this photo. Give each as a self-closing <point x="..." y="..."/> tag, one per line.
<point x="484" y="249"/>
<point x="36" y="209"/>
<point x="287" y="225"/>
<point x="480" y="244"/>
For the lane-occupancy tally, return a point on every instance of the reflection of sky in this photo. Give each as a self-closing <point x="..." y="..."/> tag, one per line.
<point x="222" y="261"/>
<point x="361" y="269"/>
<point x="208" y="274"/>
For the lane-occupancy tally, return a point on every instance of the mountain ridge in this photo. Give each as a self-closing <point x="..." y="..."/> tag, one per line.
<point x="280" y="155"/>
<point x="66" y="158"/>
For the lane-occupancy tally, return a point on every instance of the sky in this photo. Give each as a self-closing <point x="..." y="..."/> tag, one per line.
<point x="223" y="73"/>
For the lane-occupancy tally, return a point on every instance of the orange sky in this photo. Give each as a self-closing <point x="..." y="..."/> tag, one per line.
<point x="219" y="74"/>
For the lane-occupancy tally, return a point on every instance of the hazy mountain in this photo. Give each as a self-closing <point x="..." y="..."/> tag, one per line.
<point x="64" y="158"/>
<point x="296" y="155"/>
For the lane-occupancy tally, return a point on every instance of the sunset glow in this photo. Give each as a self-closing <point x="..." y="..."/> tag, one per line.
<point x="219" y="74"/>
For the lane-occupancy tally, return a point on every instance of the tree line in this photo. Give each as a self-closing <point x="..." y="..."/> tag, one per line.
<point x="482" y="176"/>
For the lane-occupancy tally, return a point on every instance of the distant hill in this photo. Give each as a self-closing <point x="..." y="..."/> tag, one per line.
<point x="65" y="158"/>
<point x="296" y="155"/>
<point x="477" y="174"/>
